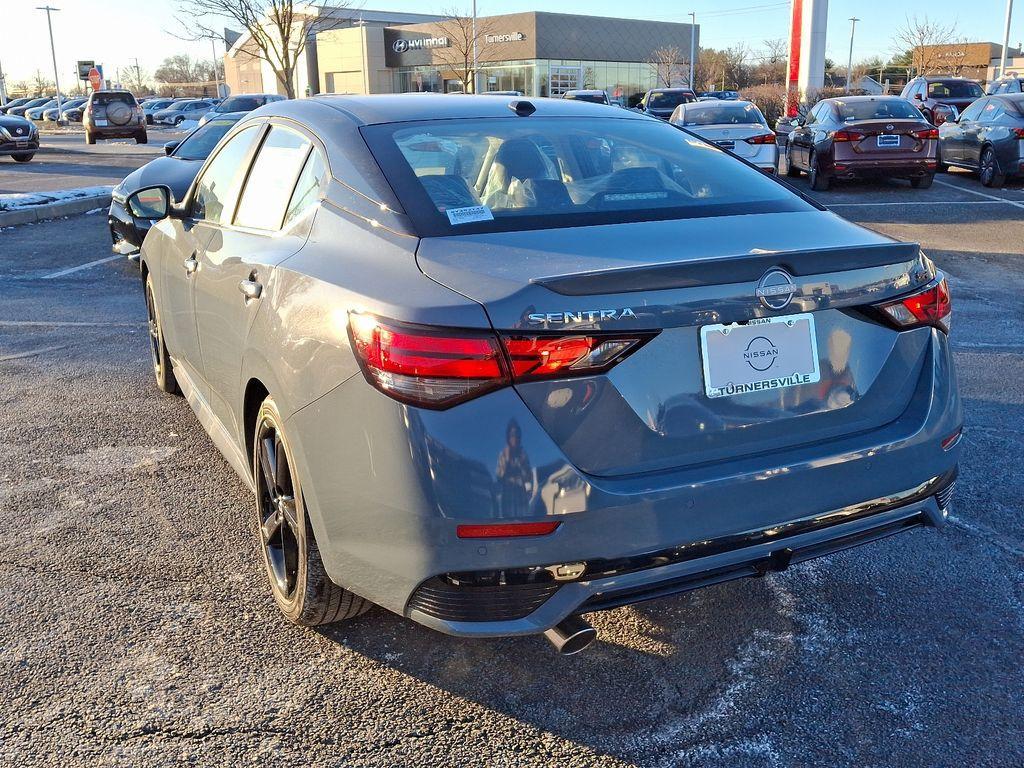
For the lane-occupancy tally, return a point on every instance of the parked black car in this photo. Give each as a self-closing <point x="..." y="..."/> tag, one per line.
<point x="988" y="137"/>
<point x="662" y="102"/>
<point x="15" y="103"/>
<point x="183" y="160"/>
<point x="245" y="102"/>
<point x="18" y="138"/>
<point x="22" y="108"/>
<point x="928" y="92"/>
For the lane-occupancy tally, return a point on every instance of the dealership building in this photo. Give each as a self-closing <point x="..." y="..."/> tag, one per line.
<point x="538" y="53"/>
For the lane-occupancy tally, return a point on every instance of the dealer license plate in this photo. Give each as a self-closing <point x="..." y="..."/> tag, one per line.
<point x="101" y="123"/>
<point x="888" y="140"/>
<point x="766" y="353"/>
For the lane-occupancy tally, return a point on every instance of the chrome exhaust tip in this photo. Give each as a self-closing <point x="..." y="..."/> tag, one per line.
<point x="571" y="635"/>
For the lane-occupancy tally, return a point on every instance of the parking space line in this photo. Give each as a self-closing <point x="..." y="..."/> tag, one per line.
<point x="62" y="324"/>
<point x="80" y="267"/>
<point x="980" y="194"/>
<point x="921" y="202"/>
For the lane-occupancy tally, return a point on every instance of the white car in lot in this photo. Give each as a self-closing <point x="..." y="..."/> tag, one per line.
<point x="737" y="126"/>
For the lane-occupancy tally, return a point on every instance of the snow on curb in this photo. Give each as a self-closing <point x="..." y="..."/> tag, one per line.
<point x="19" y="200"/>
<point x="29" y="208"/>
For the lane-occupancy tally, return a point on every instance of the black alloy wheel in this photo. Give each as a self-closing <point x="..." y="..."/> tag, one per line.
<point x="819" y="181"/>
<point x="791" y="170"/>
<point x="278" y="511"/>
<point x="163" y="371"/>
<point x="988" y="171"/>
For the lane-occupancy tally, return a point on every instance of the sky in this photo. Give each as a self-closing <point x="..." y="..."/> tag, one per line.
<point x="116" y="32"/>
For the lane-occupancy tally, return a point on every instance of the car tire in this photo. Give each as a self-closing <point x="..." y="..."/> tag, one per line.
<point x="819" y="181"/>
<point x="940" y="167"/>
<point x="163" y="369"/>
<point x="89" y="138"/>
<point x="23" y="158"/>
<point x="791" y="170"/>
<point x="988" y="169"/>
<point x="141" y="138"/>
<point x="298" y="579"/>
<point x="922" y="182"/>
<point x="179" y="120"/>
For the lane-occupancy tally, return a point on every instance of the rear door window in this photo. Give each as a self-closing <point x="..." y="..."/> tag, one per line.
<point x="972" y="112"/>
<point x="272" y="179"/>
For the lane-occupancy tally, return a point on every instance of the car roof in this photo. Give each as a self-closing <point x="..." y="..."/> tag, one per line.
<point x="595" y="91"/>
<point x="879" y="97"/>
<point x="672" y="90"/>
<point x="945" y="78"/>
<point x="407" y="107"/>
<point x="718" y="103"/>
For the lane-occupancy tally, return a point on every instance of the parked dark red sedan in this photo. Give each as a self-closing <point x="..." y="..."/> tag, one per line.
<point x="863" y="136"/>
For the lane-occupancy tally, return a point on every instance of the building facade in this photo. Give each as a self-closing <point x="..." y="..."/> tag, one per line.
<point x="961" y="59"/>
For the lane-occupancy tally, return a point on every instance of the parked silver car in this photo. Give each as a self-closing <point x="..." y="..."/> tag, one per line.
<point x="737" y="126"/>
<point x="492" y="363"/>
<point x="988" y="138"/>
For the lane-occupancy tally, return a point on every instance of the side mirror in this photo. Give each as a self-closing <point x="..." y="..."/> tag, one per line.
<point x="150" y="203"/>
<point x="918" y="96"/>
<point x="170" y="146"/>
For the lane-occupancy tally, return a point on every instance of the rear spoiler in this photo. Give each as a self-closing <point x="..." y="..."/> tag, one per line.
<point x="743" y="268"/>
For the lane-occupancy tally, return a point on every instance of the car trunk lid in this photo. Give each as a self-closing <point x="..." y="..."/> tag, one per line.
<point x="733" y="137"/>
<point x="652" y="411"/>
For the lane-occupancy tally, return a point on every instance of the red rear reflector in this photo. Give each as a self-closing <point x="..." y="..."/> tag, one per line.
<point x="848" y="136"/>
<point x="1019" y="133"/>
<point x="926" y="134"/>
<point x="932" y="306"/>
<point x="503" y="530"/>
<point x="951" y="440"/>
<point x="764" y="138"/>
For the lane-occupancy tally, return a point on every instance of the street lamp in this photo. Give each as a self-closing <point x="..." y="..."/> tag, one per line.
<point x="849" y="60"/>
<point x="693" y="42"/>
<point x="53" y="53"/>
<point x="1006" y="38"/>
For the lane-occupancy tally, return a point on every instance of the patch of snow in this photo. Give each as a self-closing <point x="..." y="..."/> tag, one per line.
<point x="19" y="200"/>
<point x="94" y="210"/>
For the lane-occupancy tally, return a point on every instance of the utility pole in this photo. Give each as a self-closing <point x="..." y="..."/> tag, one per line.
<point x="138" y="74"/>
<point x="1006" y="38"/>
<point x="474" y="48"/>
<point x="693" y="45"/>
<point x="3" y="87"/>
<point x="53" y="53"/>
<point x="216" y="69"/>
<point x="849" y="60"/>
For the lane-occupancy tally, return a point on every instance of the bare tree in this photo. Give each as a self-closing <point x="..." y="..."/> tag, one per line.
<point x="182" y="75"/>
<point x="668" y="66"/>
<point x="457" y="56"/>
<point x="278" y="29"/>
<point x="42" y="84"/>
<point x="926" y="41"/>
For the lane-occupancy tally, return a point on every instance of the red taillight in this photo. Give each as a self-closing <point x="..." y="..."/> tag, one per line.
<point x="439" y="367"/>
<point x="926" y="133"/>
<point x="1019" y="133"/>
<point x="503" y="530"/>
<point x="763" y="138"/>
<point x="841" y="136"/>
<point x="932" y="306"/>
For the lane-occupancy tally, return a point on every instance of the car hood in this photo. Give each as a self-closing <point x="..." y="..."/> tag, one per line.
<point x="14" y="122"/>
<point x="174" y="172"/>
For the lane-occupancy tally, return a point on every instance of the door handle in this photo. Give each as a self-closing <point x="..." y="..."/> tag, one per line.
<point x="191" y="265"/>
<point x="250" y="289"/>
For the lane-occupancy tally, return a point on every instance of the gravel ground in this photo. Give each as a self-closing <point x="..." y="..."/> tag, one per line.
<point x="137" y="628"/>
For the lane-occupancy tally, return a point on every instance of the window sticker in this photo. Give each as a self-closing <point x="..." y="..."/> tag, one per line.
<point x="469" y="214"/>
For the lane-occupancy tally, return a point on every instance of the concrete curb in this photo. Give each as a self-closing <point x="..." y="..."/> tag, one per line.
<point x="52" y="210"/>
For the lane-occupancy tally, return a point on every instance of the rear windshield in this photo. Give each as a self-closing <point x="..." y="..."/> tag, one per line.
<point x="457" y="176"/>
<point x="669" y="99"/>
<point x="200" y="143"/>
<point x="954" y="89"/>
<point x="110" y="98"/>
<point x="881" y="109"/>
<point x="714" y="113"/>
<point x="594" y="98"/>
<point x="240" y="104"/>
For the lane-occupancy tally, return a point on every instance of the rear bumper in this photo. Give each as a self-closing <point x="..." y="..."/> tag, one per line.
<point x="386" y="485"/>
<point x="902" y="168"/>
<point x="117" y="132"/>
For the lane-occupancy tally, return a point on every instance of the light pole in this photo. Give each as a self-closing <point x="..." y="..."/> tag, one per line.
<point x="3" y="87"/>
<point x="216" y="69"/>
<point x="474" y="47"/>
<point x="693" y="44"/>
<point x="1006" y="37"/>
<point x="849" y="60"/>
<point x="53" y="53"/>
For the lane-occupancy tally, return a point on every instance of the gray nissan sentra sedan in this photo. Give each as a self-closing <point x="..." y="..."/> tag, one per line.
<point x="493" y="363"/>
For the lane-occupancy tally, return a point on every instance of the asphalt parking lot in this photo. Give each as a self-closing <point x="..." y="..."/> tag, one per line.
<point x="138" y="629"/>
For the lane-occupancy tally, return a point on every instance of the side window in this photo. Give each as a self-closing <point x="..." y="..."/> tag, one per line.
<point x="972" y="112"/>
<point x="218" y="186"/>
<point x="308" y="188"/>
<point x="272" y="179"/>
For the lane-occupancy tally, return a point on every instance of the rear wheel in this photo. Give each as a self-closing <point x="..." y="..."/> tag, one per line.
<point x="300" y="584"/>
<point x="819" y="181"/>
<point x="23" y="158"/>
<point x="988" y="169"/>
<point x="163" y="370"/>
<point x="141" y="138"/>
<point x="89" y="138"/>
<point x="940" y="167"/>
<point x="791" y="170"/>
<point x="922" y="182"/>
<point x="178" y="120"/>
